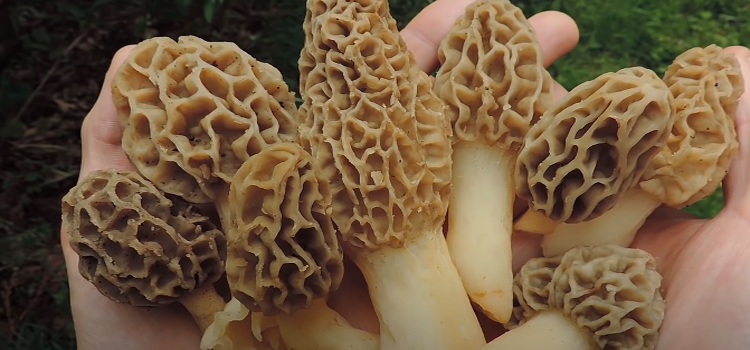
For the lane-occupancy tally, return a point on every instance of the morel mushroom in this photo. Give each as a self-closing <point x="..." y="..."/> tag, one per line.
<point x="593" y="298"/>
<point x="284" y="256"/>
<point x="371" y="120"/>
<point x="193" y="111"/>
<point x="493" y="81"/>
<point x="594" y="144"/>
<point x="706" y="84"/>
<point x="139" y="247"/>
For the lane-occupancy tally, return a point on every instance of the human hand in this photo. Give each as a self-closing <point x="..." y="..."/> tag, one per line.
<point x="101" y="323"/>
<point x="705" y="263"/>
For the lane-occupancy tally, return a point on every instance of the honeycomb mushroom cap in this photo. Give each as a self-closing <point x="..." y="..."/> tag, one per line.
<point x="610" y="291"/>
<point x="283" y="250"/>
<point x="373" y="123"/>
<point x="136" y="245"/>
<point x="594" y="144"/>
<point x="492" y="76"/>
<point x="706" y="83"/>
<point x="193" y="111"/>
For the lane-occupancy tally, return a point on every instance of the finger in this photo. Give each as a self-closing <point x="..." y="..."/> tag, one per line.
<point x="737" y="181"/>
<point x="556" y="32"/>
<point x="101" y="132"/>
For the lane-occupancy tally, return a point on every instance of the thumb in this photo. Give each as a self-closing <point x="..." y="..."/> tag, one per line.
<point x="737" y="181"/>
<point x="101" y="132"/>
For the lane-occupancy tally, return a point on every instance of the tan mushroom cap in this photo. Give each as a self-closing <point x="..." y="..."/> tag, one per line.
<point x="492" y="76"/>
<point x="594" y="144"/>
<point x="611" y="292"/>
<point x="136" y="245"/>
<point x="283" y="250"/>
<point x="706" y="83"/>
<point x="372" y="121"/>
<point x="193" y="111"/>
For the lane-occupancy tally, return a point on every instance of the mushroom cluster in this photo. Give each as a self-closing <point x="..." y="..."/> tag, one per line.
<point x="243" y="206"/>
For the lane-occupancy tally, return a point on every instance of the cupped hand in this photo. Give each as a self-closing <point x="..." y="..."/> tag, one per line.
<point x="104" y="324"/>
<point x="706" y="262"/>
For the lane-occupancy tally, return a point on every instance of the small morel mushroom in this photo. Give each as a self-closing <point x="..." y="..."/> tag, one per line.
<point x="493" y="81"/>
<point x="706" y="84"/>
<point x="284" y="257"/>
<point x="193" y="111"/>
<point x="593" y="145"/>
<point x="141" y="248"/>
<point x="591" y="298"/>
<point x="377" y="130"/>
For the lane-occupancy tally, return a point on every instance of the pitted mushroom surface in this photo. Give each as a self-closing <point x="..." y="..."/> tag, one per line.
<point x="283" y="251"/>
<point x="193" y="111"/>
<point x="598" y="298"/>
<point x="594" y="145"/>
<point x="140" y="248"/>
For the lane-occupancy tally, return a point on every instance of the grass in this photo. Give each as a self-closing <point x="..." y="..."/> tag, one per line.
<point x="53" y="56"/>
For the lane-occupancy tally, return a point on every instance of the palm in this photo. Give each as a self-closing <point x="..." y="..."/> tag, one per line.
<point x="704" y="266"/>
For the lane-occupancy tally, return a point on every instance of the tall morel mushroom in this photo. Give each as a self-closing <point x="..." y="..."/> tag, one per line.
<point x="284" y="257"/>
<point x="706" y="84"/>
<point x="493" y="81"/>
<point x="594" y="144"/>
<point x="139" y="247"/>
<point x="590" y="298"/>
<point x="378" y="132"/>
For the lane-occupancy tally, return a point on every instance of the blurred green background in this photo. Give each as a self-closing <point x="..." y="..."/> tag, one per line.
<point x="53" y="55"/>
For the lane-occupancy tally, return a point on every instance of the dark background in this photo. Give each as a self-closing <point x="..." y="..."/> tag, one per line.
<point x="53" y="55"/>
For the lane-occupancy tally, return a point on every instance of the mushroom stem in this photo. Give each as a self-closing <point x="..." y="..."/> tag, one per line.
<point x="320" y="327"/>
<point x="480" y="225"/>
<point x="203" y="304"/>
<point x="532" y="221"/>
<point x="547" y="330"/>
<point x="417" y="294"/>
<point x="617" y="226"/>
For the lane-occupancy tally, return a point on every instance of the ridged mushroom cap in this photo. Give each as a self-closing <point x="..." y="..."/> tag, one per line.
<point x="136" y="245"/>
<point x="193" y="111"/>
<point x="594" y="144"/>
<point x="283" y="249"/>
<point x="707" y="84"/>
<point x="492" y="75"/>
<point x="374" y="125"/>
<point x="610" y="292"/>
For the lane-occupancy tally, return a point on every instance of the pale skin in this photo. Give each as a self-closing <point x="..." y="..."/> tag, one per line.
<point x="704" y="262"/>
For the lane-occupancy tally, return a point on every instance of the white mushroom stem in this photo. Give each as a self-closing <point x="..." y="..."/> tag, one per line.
<point x="480" y="225"/>
<point x="546" y="330"/>
<point x="203" y="304"/>
<point x="320" y="327"/>
<point x="236" y="328"/>
<point x="418" y="296"/>
<point x="617" y="226"/>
